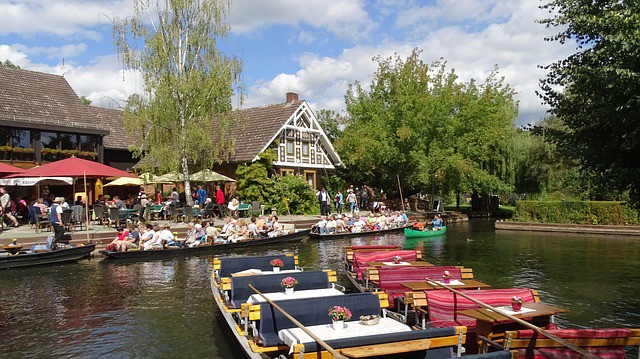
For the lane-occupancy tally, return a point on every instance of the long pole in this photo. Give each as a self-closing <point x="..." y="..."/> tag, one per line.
<point x="521" y="322"/>
<point x="86" y="204"/>
<point x="400" y="188"/>
<point x="299" y="325"/>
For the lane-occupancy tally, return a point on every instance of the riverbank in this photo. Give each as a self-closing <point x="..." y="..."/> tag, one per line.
<point x="568" y="228"/>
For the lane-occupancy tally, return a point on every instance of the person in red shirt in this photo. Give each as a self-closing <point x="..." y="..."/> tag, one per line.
<point x="220" y="201"/>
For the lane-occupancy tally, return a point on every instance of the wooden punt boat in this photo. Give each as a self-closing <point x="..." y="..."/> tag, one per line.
<point x="297" y="236"/>
<point x="416" y="233"/>
<point x="357" y="234"/>
<point x="264" y="333"/>
<point x="36" y="258"/>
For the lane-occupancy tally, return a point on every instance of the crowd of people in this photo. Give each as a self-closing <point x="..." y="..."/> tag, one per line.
<point x="154" y="236"/>
<point x="342" y="223"/>
<point x="354" y="199"/>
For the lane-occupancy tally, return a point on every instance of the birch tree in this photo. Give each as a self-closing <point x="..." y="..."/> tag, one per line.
<point x="184" y="116"/>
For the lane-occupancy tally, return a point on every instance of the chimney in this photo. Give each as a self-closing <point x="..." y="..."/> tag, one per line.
<point x="292" y="96"/>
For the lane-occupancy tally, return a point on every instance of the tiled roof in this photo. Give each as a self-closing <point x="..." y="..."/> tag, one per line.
<point x="261" y="125"/>
<point x="36" y="97"/>
<point x="111" y="120"/>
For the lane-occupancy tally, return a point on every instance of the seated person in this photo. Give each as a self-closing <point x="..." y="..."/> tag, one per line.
<point x="147" y="237"/>
<point x="359" y="225"/>
<point x="116" y="244"/>
<point x="233" y="206"/>
<point x="240" y="232"/>
<point x="207" y="208"/>
<point x="321" y="226"/>
<point x="331" y="224"/>
<point x="261" y="224"/>
<point x="40" y="204"/>
<point x="252" y="228"/>
<point x="340" y="225"/>
<point x="167" y="239"/>
<point x="437" y="223"/>
<point x="276" y="229"/>
<point x="228" y="227"/>
<point x="418" y="225"/>
<point x="108" y="202"/>
<point x="194" y="235"/>
<point x="211" y="235"/>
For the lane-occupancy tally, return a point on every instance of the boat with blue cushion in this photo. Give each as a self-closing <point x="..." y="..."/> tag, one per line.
<point x="42" y="254"/>
<point x="263" y="332"/>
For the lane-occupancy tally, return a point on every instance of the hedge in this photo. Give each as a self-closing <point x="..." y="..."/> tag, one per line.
<point x="579" y="212"/>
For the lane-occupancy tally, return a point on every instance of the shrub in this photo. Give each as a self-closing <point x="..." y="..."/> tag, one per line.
<point x="579" y="212"/>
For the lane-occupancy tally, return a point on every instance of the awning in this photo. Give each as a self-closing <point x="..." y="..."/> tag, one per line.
<point x="32" y="181"/>
<point x="74" y="167"/>
<point x="209" y="176"/>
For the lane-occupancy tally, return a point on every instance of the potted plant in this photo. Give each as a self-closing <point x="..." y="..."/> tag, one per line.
<point x="288" y="284"/>
<point x="516" y="303"/>
<point x="338" y="316"/>
<point x="397" y="259"/>
<point x="277" y="264"/>
<point x="5" y="152"/>
<point x="446" y="277"/>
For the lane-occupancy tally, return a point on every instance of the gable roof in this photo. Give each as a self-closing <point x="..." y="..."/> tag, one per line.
<point x="262" y="124"/>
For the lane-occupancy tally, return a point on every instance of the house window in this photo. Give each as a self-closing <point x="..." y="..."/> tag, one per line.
<point x="49" y="140"/>
<point x="68" y="141"/>
<point x="21" y="138"/>
<point x="310" y="177"/>
<point x="87" y="143"/>
<point x="305" y="149"/>
<point x="286" y="171"/>
<point x="289" y="148"/>
<point x="4" y="136"/>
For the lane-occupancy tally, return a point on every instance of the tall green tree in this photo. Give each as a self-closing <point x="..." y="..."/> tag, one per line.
<point x="436" y="133"/>
<point x="331" y="121"/>
<point x="185" y="115"/>
<point x="596" y="90"/>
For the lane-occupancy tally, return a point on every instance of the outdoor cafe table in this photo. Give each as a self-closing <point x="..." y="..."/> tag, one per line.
<point x="297" y="294"/>
<point x="457" y="284"/>
<point x="489" y="321"/>
<point x="352" y="329"/>
<point x="126" y="213"/>
<point x="401" y="264"/>
<point x="261" y="272"/>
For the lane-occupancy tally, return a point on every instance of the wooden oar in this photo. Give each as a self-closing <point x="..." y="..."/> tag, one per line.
<point x="299" y="325"/>
<point x="521" y="322"/>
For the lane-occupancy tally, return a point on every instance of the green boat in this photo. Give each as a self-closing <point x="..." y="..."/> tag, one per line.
<point x="416" y="233"/>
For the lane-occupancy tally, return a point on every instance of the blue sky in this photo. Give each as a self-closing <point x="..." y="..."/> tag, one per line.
<point x="313" y="47"/>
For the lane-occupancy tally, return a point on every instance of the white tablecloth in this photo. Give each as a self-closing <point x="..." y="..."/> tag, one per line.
<point x="354" y="329"/>
<point x="396" y="264"/>
<point x="297" y="294"/>
<point x="263" y="272"/>
<point x="508" y="310"/>
<point x="452" y="282"/>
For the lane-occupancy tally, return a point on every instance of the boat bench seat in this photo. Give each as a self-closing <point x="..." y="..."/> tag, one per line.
<point x="605" y="343"/>
<point x="442" y="343"/>
<point x="360" y="259"/>
<point x="227" y="266"/>
<point x="350" y="250"/>
<point x="443" y="305"/>
<point x="240" y="290"/>
<point x="388" y="279"/>
<point x="312" y="311"/>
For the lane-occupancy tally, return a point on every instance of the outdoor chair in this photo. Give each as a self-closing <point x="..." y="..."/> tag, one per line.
<point x="76" y="216"/>
<point x="41" y="221"/>
<point x="255" y="208"/>
<point x="32" y="216"/>
<point x="66" y="218"/>
<point x="114" y="217"/>
<point x="136" y="216"/>
<point x="187" y="213"/>
<point x="98" y="212"/>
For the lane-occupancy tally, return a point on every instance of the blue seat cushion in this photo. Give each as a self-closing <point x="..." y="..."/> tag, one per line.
<point x="230" y="265"/>
<point x="240" y="290"/>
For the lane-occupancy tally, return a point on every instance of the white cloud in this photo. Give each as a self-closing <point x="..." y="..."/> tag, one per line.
<point x="343" y="18"/>
<point x="62" y="18"/>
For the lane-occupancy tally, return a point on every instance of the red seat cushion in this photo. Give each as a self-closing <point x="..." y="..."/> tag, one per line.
<point x="391" y="277"/>
<point x="603" y="352"/>
<point x="360" y="259"/>
<point x="442" y="306"/>
<point x="564" y="353"/>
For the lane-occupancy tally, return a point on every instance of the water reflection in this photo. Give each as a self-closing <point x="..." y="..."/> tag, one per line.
<point x="163" y="308"/>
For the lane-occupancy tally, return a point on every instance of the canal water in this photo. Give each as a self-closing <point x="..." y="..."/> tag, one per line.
<point x="163" y="308"/>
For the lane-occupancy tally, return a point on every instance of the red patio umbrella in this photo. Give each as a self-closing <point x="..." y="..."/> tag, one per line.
<point x="74" y="167"/>
<point x="6" y="169"/>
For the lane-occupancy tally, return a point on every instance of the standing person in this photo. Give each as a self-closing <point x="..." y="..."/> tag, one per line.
<point x="55" y="218"/>
<point x="339" y="200"/>
<point x="351" y="199"/>
<point x="174" y="197"/>
<point x="220" y="201"/>
<point x="323" y="199"/>
<point x="364" y="197"/>
<point x="5" y="207"/>
<point x="158" y="196"/>
<point x="140" y="194"/>
<point x="202" y="195"/>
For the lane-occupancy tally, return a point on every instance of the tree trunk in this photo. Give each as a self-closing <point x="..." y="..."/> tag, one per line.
<point x="457" y="200"/>
<point x="187" y="182"/>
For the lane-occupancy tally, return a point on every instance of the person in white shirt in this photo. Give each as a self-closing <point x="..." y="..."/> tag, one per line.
<point x="228" y="227"/>
<point x="276" y="229"/>
<point x="321" y="226"/>
<point x="147" y="240"/>
<point x="331" y="224"/>
<point x="358" y="225"/>
<point x="252" y="228"/>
